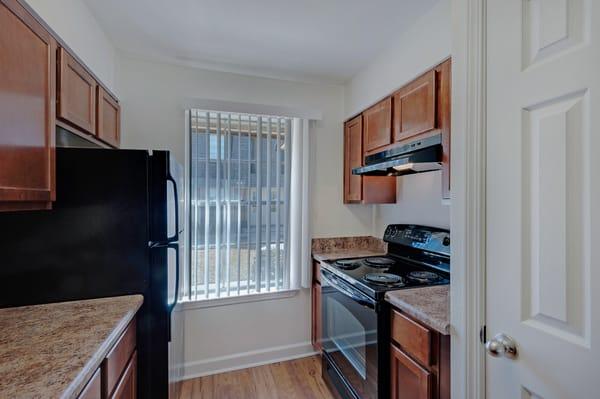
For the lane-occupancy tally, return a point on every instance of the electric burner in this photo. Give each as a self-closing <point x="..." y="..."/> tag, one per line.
<point x="384" y="279"/>
<point x="424" y="276"/>
<point x="380" y="262"/>
<point x="347" y="264"/>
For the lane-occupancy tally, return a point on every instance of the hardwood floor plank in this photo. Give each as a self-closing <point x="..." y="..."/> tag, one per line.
<point x="294" y="379"/>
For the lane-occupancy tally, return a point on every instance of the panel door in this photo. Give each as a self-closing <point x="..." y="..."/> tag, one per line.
<point x="353" y="155"/>
<point x="127" y="386"/>
<point x="409" y="380"/>
<point x="377" y="124"/>
<point x="414" y="107"/>
<point x="76" y="93"/>
<point x="108" y="123"/>
<point x="543" y="197"/>
<point x="27" y="110"/>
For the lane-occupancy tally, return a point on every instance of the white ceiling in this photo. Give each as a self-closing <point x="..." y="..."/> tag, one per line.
<point x="316" y="40"/>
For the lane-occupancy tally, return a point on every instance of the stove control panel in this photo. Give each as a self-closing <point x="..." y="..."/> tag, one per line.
<point x="422" y="237"/>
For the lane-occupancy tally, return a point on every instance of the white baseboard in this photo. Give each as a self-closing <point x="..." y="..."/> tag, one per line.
<point x="238" y="361"/>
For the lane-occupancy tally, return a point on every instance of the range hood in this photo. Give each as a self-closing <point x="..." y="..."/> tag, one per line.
<point x="418" y="156"/>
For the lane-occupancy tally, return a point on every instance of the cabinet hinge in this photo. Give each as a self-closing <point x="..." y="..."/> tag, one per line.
<point x="483" y="334"/>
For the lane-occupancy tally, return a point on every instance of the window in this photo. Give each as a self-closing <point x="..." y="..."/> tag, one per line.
<point x="239" y="208"/>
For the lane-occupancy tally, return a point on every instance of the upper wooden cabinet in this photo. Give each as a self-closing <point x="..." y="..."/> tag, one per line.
<point x="414" y="107"/>
<point x="353" y="158"/>
<point x="419" y="109"/>
<point x="363" y="189"/>
<point x="76" y="93"/>
<point x="378" y="120"/>
<point x="108" y="119"/>
<point x="27" y="109"/>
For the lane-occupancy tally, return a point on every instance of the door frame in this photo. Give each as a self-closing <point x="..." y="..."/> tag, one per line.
<point x="468" y="210"/>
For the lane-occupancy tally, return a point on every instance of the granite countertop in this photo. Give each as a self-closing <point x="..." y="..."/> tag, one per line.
<point x="347" y="247"/>
<point x="429" y="305"/>
<point x="51" y="351"/>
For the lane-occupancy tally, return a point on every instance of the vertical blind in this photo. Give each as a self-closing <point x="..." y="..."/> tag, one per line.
<point x="239" y="204"/>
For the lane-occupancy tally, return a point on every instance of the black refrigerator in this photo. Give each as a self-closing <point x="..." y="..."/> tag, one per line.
<point x="116" y="228"/>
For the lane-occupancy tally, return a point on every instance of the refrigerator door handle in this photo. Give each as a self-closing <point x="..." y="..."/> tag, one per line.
<point x="175" y="246"/>
<point x="170" y="307"/>
<point x="174" y="237"/>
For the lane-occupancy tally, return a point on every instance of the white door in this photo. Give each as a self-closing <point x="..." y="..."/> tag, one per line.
<point x="543" y="197"/>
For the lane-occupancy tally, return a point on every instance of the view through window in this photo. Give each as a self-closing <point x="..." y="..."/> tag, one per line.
<point x="239" y="208"/>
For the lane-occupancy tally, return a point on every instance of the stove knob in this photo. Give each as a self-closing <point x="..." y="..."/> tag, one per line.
<point x="446" y="241"/>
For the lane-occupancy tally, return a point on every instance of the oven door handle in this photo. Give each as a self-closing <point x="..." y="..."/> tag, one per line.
<point x="345" y="290"/>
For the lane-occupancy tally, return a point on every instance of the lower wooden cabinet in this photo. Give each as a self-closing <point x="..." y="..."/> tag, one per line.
<point x="117" y="376"/>
<point x="93" y="389"/>
<point x="316" y="323"/>
<point x="127" y="386"/>
<point x="419" y="360"/>
<point x="409" y="379"/>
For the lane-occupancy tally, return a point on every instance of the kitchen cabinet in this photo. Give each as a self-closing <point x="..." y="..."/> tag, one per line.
<point x="419" y="109"/>
<point x="43" y="85"/>
<point x="117" y="376"/>
<point x="316" y="326"/>
<point x="414" y="107"/>
<point x="27" y="110"/>
<point x="419" y="360"/>
<point x="353" y="155"/>
<point x="76" y="97"/>
<point x="93" y="389"/>
<point x="108" y="118"/>
<point x="378" y="120"/>
<point x="127" y="386"/>
<point x="363" y="189"/>
<point x="409" y="379"/>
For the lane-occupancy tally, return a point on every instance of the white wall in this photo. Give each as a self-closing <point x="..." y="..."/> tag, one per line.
<point x="422" y="46"/>
<point x="152" y="96"/>
<point x="74" y="23"/>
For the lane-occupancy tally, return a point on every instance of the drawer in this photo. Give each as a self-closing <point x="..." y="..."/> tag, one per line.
<point x="117" y="359"/>
<point x="412" y="338"/>
<point x="127" y="386"/>
<point x="93" y="389"/>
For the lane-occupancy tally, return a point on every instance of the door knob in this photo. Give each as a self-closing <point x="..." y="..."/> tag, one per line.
<point x="502" y="346"/>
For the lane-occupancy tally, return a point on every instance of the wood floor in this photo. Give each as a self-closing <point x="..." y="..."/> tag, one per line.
<point x="294" y="379"/>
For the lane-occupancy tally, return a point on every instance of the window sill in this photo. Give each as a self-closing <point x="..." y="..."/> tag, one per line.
<point x="211" y="303"/>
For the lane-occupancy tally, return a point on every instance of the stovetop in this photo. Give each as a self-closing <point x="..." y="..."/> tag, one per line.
<point x="375" y="276"/>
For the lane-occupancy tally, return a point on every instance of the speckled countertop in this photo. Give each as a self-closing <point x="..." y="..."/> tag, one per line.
<point x="347" y="247"/>
<point x="51" y="351"/>
<point x="429" y="305"/>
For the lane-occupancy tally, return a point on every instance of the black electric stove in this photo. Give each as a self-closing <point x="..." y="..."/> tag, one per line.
<point x="355" y="316"/>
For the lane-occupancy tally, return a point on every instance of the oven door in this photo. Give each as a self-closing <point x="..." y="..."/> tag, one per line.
<point x="350" y="334"/>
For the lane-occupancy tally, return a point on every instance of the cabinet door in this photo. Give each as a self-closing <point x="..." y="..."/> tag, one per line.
<point x="414" y="107"/>
<point x="127" y="387"/>
<point x="93" y="389"/>
<point x="409" y="380"/>
<point x="316" y="317"/>
<point x="27" y="110"/>
<point x="76" y="94"/>
<point x="108" y="124"/>
<point x="353" y="155"/>
<point x="378" y="120"/>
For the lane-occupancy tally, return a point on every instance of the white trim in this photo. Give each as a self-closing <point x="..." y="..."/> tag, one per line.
<point x="206" y="104"/>
<point x="468" y="197"/>
<point x="234" y="300"/>
<point x="238" y="361"/>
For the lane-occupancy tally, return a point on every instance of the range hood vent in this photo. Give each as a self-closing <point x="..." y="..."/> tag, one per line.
<point x="418" y="156"/>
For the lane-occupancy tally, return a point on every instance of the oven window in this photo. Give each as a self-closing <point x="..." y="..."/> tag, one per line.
<point x="348" y="335"/>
